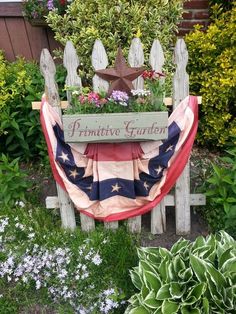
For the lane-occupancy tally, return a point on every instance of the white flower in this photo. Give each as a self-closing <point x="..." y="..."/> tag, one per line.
<point x="108" y="292"/>
<point x="31" y="235"/>
<point x="38" y="284"/>
<point x="97" y="259"/>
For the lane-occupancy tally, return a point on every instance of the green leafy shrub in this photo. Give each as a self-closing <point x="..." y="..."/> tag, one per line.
<point x="193" y="277"/>
<point x="13" y="182"/>
<point x="212" y="67"/>
<point x="116" y="23"/>
<point x="20" y="130"/>
<point x="221" y="194"/>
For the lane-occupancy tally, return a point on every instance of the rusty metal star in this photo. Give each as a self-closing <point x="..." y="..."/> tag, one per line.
<point x="121" y="76"/>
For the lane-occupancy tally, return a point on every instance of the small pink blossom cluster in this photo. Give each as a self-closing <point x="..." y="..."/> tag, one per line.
<point x="92" y="98"/>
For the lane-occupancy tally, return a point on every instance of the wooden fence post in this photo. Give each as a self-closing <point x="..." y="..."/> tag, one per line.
<point x="158" y="214"/>
<point x="48" y="70"/>
<point x="182" y="187"/>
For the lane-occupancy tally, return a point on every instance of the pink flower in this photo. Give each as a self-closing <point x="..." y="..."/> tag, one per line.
<point x="82" y="99"/>
<point x="93" y="97"/>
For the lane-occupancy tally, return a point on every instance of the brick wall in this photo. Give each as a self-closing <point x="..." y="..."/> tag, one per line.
<point x="196" y="12"/>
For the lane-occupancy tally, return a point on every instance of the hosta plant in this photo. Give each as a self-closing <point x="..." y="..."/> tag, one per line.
<point x="191" y="278"/>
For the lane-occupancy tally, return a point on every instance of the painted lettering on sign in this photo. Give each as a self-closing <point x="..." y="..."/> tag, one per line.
<point x="130" y="131"/>
<point x="75" y="127"/>
<point x="115" y="127"/>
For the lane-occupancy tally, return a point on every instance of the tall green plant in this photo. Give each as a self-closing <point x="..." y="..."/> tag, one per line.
<point x="13" y="182"/>
<point x="221" y="194"/>
<point x="192" y="278"/>
<point x="116" y="23"/>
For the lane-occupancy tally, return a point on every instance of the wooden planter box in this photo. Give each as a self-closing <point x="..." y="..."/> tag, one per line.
<point x="38" y="22"/>
<point x="115" y="127"/>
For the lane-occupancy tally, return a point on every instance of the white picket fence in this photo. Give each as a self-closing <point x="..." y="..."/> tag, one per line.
<point x="182" y="199"/>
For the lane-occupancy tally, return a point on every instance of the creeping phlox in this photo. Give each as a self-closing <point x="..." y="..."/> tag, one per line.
<point x="66" y="275"/>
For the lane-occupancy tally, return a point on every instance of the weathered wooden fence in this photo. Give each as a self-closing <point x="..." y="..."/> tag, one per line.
<point x="182" y="199"/>
<point x="19" y="38"/>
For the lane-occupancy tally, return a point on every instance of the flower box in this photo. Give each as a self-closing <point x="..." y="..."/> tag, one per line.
<point x="38" y="22"/>
<point x="115" y="127"/>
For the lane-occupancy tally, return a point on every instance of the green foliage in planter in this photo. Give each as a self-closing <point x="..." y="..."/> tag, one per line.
<point x="116" y="23"/>
<point x="221" y="194"/>
<point x="192" y="278"/>
<point x="13" y="182"/>
<point x="20" y="130"/>
<point x="212" y="68"/>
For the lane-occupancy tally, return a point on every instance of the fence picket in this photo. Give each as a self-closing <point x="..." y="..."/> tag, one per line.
<point x="48" y="70"/>
<point x="156" y="58"/>
<point x="182" y="187"/>
<point x="71" y="63"/>
<point x="136" y="59"/>
<point x="158" y="214"/>
<point x="99" y="62"/>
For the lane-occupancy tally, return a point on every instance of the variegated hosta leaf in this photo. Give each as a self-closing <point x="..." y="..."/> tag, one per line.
<point x="136" y="279"/>
<point x="229" y="265"/>
<point x="187" y="310"/>
<point x="169" y="307"/>
<point x="226" y="255"/>
<point x="178" y="264"/>
<point x="164" y="292"/>
<point x="177" y="290"/>
<point x="179" y="246"/>
<point x="139" y="310"/>
<point x="151" y="280"/>
<point x="185" y="275"/>
<point x="147" y="267"/>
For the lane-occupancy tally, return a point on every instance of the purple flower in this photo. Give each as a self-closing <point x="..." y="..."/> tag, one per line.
<point x="120" y="97"/>
<point x="50" y="5"/>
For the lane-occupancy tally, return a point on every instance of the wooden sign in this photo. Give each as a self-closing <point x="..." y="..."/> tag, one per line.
<point x="115" y="127"/>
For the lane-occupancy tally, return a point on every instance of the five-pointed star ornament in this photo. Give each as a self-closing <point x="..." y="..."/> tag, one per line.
<point x="121" y="75"/>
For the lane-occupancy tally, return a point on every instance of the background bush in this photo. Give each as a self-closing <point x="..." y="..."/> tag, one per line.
<point x="20" y="130"/>
<point x="212" y="68"/>
<point x="116" y="23"/>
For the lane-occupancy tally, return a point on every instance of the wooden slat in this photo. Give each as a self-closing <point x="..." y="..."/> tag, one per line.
<point x="111" y="225"/>
<point x="71" y="63"/>
<point x="5" y="41"/>
<point x="87" y="223"/>
<point x="48" y="70"/>
<point x="10" y="9"/>
<point x="156" y="58"/>
<point x="99" y="62"/>
<point x="158" y="219"/>
<point x="134" y="224"/>
<point x="37" y="39"/>
<point x="182" y="186"/>
<point x="136" y="59"/>
<point x="18" y="36"/>
<point x="169" y="200"/>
